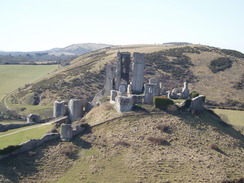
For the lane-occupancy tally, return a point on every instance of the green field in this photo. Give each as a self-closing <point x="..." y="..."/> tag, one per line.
<point x="235" y="118"/>
<point x="15" y="76"/>
<point x="5" y="122"/>
<point x="22" y="136"/>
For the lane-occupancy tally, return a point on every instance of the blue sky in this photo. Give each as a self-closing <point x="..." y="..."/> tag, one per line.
<point x="31" y="25"/>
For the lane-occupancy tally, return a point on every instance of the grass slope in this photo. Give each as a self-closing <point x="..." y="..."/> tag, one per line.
<point x="15" y="76"/>
<point x="235" y="118"/>
<point x="119" y="150"/>
<point x="5" y="122"/>
<point x="85" y="76"/>
<point x="22" y="136"/>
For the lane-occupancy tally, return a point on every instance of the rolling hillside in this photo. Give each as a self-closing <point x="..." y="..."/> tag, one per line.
<point x="136" y="147"/>
<point x="53" y="56"/>
<point x="216" y="73"/>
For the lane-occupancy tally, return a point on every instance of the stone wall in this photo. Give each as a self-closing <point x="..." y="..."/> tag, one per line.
<point x="4" y="128"/>
<point x="137" y="72"/>
<point x="124" y="104"/>
<point x="58" y="109"/>
<point x="26" y="146"/>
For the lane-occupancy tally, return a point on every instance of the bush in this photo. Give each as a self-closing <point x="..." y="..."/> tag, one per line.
<point x="220" y="64"/>
<point x="122" y="143"/>
<point x="9" y="149"/>
<point x="193" y="94"/>
<point x="158" y="141"/>
<point x="241" y="180"/>
<point x="164" y="128"/>
<point x="233" y="53"/>
<point x="239" y="85"/>
<point x="214" y="147"/>
<point x="162" y="102"/>
<point x="69" y="151"/>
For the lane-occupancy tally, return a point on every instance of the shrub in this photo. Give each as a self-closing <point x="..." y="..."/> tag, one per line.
<point x="69" y="151"/>
<point x="53" y="130"/>
<point x="214" y="147"/>
<point x="193" y="94"/>
<point x="239" y="85"/>
<point x="233" y="53"/>
<point x="241" y="180"/>
<point x="220" y="64"/>
<point x="158" y="141"/>
<point x="9" y="149"/>
<point x="162" y="102"/>
<point x="122" y="143"/>
<point x="164" y="128"/>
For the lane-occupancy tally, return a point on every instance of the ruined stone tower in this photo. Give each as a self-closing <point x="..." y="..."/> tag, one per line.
<point x="137" y="72"/>
<point x="123" y="68"/>
<point x="110" y="79"/>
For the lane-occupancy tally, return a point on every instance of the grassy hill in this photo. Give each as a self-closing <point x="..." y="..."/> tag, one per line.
<point x="172" y="64"/>
<point x="136" y="147"/>
<point x="15" y="76"/>
<point x="53" y="56"/>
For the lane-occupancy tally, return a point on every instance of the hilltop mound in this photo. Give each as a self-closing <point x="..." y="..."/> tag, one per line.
<point x="221" y="83"/>
<point x="137" y="147"/>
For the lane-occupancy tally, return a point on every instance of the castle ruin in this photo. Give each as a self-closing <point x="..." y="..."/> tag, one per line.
<point x="124" y="83"/>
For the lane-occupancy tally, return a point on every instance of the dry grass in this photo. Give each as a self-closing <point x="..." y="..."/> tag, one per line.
<point x="218" y="90"/>
<point x="99" y="159"/>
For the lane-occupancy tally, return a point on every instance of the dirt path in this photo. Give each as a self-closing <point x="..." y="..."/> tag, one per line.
<point x="36" y="126"/>
<point x="5" y="100"/>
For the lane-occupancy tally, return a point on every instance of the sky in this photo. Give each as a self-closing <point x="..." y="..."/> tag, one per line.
<point x="35" y="25"/>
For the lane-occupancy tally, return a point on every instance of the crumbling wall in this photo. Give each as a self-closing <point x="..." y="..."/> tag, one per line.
<point x="137" y="72"/>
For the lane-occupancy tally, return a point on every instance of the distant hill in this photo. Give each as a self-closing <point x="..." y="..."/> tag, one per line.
<point x="60" y="55"/>
<point x="178" y="43"/>
<point x="77" y="49"/>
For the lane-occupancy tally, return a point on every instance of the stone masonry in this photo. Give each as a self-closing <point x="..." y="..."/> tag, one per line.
<point x="137" y="72"/>
<point x="75" y="109"/>
<point x="58" y="109"/>
<point x="123" y="68"/>
<point x="149" y="92"/>
<point x="110" y="79"/>
<point x="66" y="132"/>
<point x="124" y="104"/>
<point x="197" y="104"/>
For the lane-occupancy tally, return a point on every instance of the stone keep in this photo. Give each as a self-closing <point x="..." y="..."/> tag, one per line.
<point x="123" y="68"/>
<point x="150" y="92"/>
<point x="110" y="79"/>
<point x="33" y="118"/>
<point x="197" y="104"/>
<point x="58" y="109"/>
<point x="124" y="104"/>
<point x="66" y="132"/>
<point x="75" y="108"/>
<point x="137" y="72"/>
